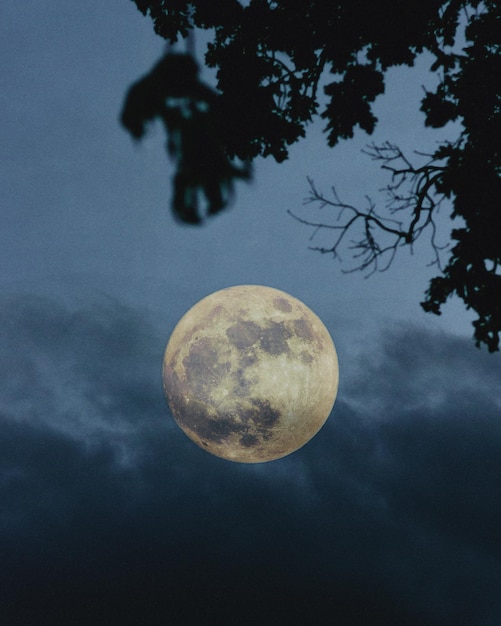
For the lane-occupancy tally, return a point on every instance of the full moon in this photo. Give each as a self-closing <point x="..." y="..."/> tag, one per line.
<point x="250" y="373"/>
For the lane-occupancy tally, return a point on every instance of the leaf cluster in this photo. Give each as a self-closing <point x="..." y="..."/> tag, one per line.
<point x="270" y="56"/>
<point x="272" y="59"/>
<point x="173" y="93"/>
<point x="471" y="179"/>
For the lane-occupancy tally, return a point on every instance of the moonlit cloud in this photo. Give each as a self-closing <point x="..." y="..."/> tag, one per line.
<point x="394" y="506"/>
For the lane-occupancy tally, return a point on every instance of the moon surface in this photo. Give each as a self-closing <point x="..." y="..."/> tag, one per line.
<point x="250" y="373"/>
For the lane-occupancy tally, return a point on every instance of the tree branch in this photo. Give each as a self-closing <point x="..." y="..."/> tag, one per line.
<point x="412" y="193"/>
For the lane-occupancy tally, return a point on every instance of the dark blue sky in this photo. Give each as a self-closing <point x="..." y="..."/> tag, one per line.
<point x="390" y="515"/>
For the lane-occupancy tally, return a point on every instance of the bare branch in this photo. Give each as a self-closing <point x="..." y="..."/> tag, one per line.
<point x="411" y="193"/>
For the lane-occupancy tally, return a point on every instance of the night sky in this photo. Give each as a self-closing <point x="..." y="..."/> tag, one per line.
<point x="108" y="512"/>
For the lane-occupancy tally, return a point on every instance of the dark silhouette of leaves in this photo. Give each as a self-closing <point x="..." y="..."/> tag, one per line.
<point x="271" y="58"/>
<point x="188" y="109"/>
<point x="350" y="102"/>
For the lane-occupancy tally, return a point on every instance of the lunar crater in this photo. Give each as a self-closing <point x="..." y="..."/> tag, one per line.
<point x="282" y="304"/>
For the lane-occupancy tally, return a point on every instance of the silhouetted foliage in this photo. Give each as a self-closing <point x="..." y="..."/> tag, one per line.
<point x="173" y="93"/>
<point x="272" y="56"/>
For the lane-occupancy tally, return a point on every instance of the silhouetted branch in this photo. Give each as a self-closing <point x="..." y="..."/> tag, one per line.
<point x="412" y="194"/>
<point x="271" y="57"/>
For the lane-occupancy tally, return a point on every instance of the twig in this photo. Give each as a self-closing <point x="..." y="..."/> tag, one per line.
<point x="412" y="191"/>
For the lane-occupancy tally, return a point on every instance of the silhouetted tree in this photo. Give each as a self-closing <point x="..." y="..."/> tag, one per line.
<point x="272" y="57"/>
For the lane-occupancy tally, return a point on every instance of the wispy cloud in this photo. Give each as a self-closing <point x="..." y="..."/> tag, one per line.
<point x="392" y="511"/>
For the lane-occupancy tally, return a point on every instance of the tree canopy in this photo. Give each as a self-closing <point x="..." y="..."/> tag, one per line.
<point x="272" y="59"/>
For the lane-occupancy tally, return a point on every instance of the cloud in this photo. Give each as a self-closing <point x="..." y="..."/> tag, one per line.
<point x="390" y="515"/>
